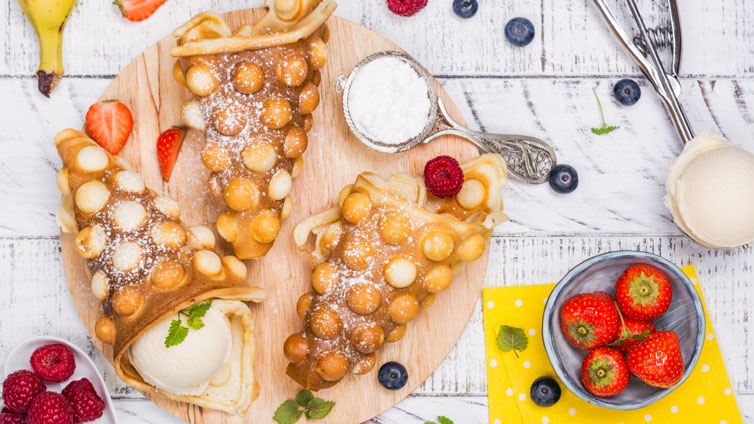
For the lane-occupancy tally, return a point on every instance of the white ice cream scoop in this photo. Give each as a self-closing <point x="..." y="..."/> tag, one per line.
<point x="175" y="369"/>
<point x="710" y="187"/>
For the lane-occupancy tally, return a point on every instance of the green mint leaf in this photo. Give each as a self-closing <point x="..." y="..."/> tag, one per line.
<point x="304" y="397"/>
<point x="176" y="333"/>
<point x="429" y="422"/>
<point x="444" y="420"/>
<point x="512" y="338"/>
<point x="287" y="413"/>
<point x="196" y="313"/>
<point x="604" y="130"/>
<point x="318" y="408"/>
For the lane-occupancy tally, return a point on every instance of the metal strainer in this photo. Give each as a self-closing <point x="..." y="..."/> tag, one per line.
<point x="529" y="159"/>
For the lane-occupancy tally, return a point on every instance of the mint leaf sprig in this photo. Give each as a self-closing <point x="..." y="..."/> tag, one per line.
<point x="177" y="332"/>
<point x="441" y="420"/>
<point x="305" y="404"/>
<point x="512" y="338"/>
<point x="604" y="129"/>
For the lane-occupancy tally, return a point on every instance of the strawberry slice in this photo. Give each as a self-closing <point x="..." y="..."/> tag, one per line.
<point x="138" y="10"/>
<point x="110" y="124"/>
<point x="168" y="146"/>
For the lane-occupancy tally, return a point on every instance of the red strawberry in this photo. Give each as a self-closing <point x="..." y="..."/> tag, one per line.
<point x="604" y="372"/>
<point x="657" y="360"/>
<point x="110" y="124"/>
<point x="633" y="332"/>
<point x="20" y="388"/>
<point x="643" y="292"/>
<point x="53" y="362"/>
<point x="138" y="10"/>
<point x="50" y="408"/>
<point x="590" y="320"/>
<point x="168" y="146"/>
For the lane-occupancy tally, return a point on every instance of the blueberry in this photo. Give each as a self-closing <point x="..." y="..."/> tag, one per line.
<point x="519" y="31"/>
<point x="545" y="391"/>
<point x="563" y="179"/>
<point x="627" y="92"/>
<point x="465" y="8"/>
<point x="392" y="375"/>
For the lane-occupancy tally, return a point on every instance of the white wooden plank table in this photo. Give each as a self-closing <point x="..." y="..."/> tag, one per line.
<point x="543" y="89"/>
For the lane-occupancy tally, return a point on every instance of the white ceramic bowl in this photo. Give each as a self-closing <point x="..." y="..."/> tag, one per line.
<point x="18" y="359"/>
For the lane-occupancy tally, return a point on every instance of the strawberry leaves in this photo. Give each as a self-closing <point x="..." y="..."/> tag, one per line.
<point x="305" y="404"/>
<point x="512" y="338"/>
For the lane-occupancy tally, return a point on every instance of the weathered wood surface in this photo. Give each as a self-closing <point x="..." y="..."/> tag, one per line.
<point x="570" y="38"/>
<point x="543" y="89"/>
<point x="622" y="174"/>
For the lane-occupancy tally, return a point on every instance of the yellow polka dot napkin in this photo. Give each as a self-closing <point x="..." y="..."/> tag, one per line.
<point x="705" y="398"/>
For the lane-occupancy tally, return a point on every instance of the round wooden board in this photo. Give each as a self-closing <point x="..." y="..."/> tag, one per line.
<point x="334" y="159"/>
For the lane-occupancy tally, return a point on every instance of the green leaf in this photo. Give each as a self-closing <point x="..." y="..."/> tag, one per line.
<point x="512" y="338"/>
<point x="287" y="413"/>
<point x="176" y="333"/>
<point x="304" y="397"/>
<point x="318" y="408"/>
<point x="444" y="420"/>
<point x="604" y="130"/>
<point x="429" y="422"/>
<point x="196" y="313"/>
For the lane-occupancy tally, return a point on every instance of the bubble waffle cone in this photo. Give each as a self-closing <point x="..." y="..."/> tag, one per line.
<point x="379" y="258"/>
<point x="255" y="92"/>
<point x="147" y="266"/>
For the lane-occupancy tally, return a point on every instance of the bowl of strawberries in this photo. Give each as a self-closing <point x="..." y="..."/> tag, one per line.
<point x="623" y="329"/>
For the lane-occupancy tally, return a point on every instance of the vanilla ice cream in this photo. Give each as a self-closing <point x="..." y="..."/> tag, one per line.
<point x="188" y="367"/>
<point x="710" y="192"/>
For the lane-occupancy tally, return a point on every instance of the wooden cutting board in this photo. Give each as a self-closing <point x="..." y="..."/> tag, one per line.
<point x="334" y="158"/>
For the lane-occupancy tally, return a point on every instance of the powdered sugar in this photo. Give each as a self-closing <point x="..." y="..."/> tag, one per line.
<point x="389" y="101"/>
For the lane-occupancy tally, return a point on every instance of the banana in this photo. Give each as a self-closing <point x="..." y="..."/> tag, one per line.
<point x="48" y="17"/>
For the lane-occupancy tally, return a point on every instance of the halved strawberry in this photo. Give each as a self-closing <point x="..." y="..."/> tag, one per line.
<point x="138" y="10"/>
<point x="168" y="146"/>
<point x="110" y="124"/>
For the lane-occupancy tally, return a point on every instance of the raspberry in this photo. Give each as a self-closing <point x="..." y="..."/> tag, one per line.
<point x="8" y="417"/>
<point x="83" y="384"/>
<point x="50" y="408"/>
<point x="20" y="388"/>
<point x="87" y="405"/>
<point x="53" y="362"/>
<point x="443" y="176"/>
<point x="406" y="7"/>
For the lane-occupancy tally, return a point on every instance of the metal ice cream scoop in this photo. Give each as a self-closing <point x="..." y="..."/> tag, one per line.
<point x="529" y="159"/>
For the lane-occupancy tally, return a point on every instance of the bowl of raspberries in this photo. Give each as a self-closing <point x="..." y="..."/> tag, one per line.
<point x="50" y="381"/>
<point x="624" y="329"/>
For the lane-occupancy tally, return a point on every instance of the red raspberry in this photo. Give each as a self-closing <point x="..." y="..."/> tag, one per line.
<point x="53" y="362"/>
<point x="50" y="408"/>
<point x="87" y="405"/>
<point x="443" y="176"/>
<point x="20" y="388"/>
<point x="406" y="7"/>
<point x="8" y="417"/>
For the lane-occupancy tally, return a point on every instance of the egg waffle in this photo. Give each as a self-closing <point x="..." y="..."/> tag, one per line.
<point x="379" y="258"/>
<point x="146" y="265"/>
<point x="255" y="91"/>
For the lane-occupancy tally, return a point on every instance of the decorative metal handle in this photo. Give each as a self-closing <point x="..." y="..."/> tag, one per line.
<point x="529" y="159"/>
